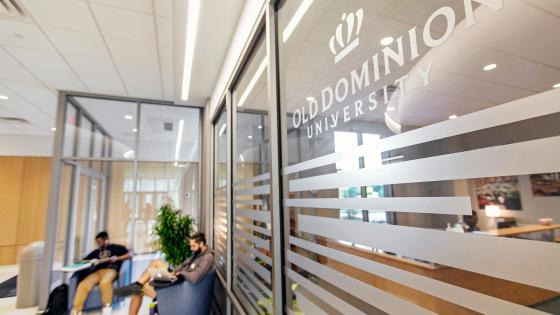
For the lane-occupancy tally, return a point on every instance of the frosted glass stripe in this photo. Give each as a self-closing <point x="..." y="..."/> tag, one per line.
<point x="514" y="111"/>
<point x="479" y="302"/>
<point x="247" y="304"/>
<point x="254" y="228"/>
<point x="258" y="190"/>
<point x="239" y="242"/>
<point x="529" y="157"/>
<point x="530" y="262"/>
<point x="369" y="294"/>
<point x="258" y="178"/>
<point x="438" y="205"/>
<point x="491" y="117"/>
<point x="329" y="298"/>
<point x="251" y="202"/>
<point x="255" y="267"/>
<point x="260" y="215"/>
<point x="251" y="287"/>
<point x="254" y="239"/>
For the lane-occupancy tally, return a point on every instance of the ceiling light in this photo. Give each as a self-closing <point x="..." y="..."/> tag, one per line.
<point x="179" y="139"/>
<point x="452" y="116"/>
<point x="310" y="99"/>
<point x="129" y="154"/>
<point x="259" y="126"/>
<point x="4" y="97"/>
<point x="128" y="117"/>
<point x="390" y="109"/>
<point x="192" y="26"/>
<point x="222" y="130"/>
<point x="387" y="41"/>
<point x="53" y="128"/>
<point x="300" y="12"/>
<point x="134" y="130"/>
<point x="253" y="82"/>
<point x="556" y="86"/>
<point x="489" y="67"/>
<point x="250" y="137"/>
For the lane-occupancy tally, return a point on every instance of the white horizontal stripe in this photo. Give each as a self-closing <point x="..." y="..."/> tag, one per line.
<point x="529" y="157"/>
<point x="240" y="243"/>
<point x="495" y="116"/>
<point x="254" y="239"/>
<point x="439" y="205"/>
<point x="530" y="262"/>
<point x="251" y="287"/>
<point x="329" y="298"/>
<point x="257" y="215"/>
<point x="369" y="294"/>
<point x="258" y="190"/>
<point x="248" y="305"/>
<point x="517" y="110"/>
<point x="258" y="178"/>
<point x="479" y="302"/>
<point x="255" y="267"/>
<point x="254" y="228"/>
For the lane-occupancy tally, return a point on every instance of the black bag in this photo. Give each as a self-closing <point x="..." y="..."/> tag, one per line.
<point x="58" y="301"/>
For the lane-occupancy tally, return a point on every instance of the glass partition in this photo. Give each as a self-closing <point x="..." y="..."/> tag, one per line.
<point x="421" y="141"/>
<point x="251" y="235"/>
<point x="220" y="193"/>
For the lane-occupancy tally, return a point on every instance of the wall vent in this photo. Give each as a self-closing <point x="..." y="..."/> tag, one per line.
<point x="11" y="8"/>
<point x="17" y="120"/>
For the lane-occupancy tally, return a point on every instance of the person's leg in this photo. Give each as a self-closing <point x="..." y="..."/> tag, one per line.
<point x="136" y="300"/>
<point x="106" y="285"/>
<point x="145" y="277"/>
<point x="83" y="290"/>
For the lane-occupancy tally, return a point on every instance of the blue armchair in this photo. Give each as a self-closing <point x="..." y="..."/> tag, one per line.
<point x="186" y="298"/>
<point x="94" y="298"/>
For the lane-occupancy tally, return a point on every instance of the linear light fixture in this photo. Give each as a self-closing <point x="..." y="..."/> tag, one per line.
<point x="190" y="41"/>
<point x="300" y="12"/>
<point x="222" y="130"/>
<point x="253" y="82"/>
<point x="179" y="140"/>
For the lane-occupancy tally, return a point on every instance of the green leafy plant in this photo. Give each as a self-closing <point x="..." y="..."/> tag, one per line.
<point x="173" y="229"/>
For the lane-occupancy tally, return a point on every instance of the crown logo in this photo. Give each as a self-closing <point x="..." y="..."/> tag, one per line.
<point x="342" y="43"/>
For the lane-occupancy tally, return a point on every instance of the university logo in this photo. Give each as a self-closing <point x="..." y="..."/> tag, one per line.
<point x="346" y="37"/>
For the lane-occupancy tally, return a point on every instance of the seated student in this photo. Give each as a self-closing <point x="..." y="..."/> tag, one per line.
<point x="106" y="269"/>
<point x="192" y="270"/>
<point x="469" y="222"/>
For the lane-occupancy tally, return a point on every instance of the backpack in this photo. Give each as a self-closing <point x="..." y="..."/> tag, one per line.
<point x="58" y="301"/>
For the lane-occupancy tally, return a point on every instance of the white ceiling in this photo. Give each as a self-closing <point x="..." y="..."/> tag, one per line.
<point x="117" y="47"/>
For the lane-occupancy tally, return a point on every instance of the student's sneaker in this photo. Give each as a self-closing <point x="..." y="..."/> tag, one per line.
<point x="107" y="310"/>
<point x="131" y="289"/>
<point x="74" y="312"/>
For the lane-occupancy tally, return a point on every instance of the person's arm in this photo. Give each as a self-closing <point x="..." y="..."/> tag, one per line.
<point x="126" y="256"/>
<point x="200" y="270"/>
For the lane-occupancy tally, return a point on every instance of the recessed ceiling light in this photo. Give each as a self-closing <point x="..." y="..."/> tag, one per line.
<point x="250" y="137"/>
<point x="4" y="97"/>
<point x="452" y="116"/>
<point x="556" y="86"/>
<point x="387" y="41"/>
<point x="310" y="98"/>
<point x="489" y="67"/>
<point x="390" y="109"/>
<point x="260" y="127"/>
<point x="134" y="130"/>
<point x="128" y="117"/>
<point x="53" y="128"/>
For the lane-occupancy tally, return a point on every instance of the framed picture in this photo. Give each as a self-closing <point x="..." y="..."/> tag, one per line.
<point x="546" y="184"/>
<point x="502" y="191"/>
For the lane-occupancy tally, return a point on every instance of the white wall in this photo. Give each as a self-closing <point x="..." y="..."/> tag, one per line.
<point x="26" y="145"/>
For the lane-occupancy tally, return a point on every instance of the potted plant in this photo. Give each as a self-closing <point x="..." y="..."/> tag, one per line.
<point x="173" y="230"/>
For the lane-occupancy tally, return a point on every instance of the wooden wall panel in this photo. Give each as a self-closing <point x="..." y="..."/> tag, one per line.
<point x="24" y="190"/>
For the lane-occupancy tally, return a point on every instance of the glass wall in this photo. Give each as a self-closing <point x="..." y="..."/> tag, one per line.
<point x="220" y="193"/>
<point x="123" y="161"/>
<point x="251" y="235"/>
<point x="420" y="165"/>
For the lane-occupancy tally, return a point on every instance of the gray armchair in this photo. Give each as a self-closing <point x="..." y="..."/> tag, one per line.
<point x="93" y="301"/>
<point x="186" y="298"/>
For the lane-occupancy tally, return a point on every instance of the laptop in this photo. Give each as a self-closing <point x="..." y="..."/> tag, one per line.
<point x="162" y="275"/>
